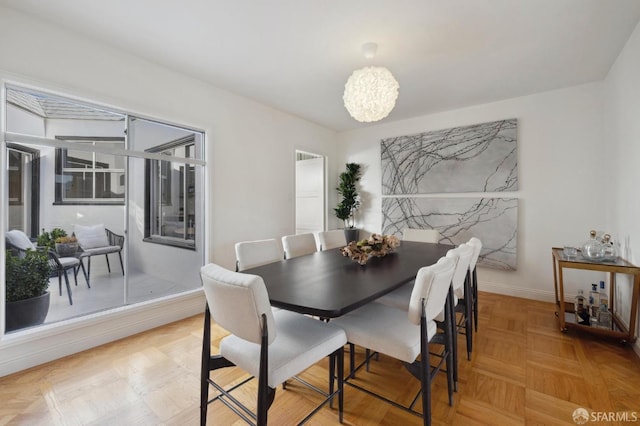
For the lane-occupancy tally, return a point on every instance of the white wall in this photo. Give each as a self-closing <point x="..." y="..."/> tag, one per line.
<point x="66" y="216"/>
<point x="249" y="149"/>
<point x="560" y="175"/>
<point x="622" y="151"/>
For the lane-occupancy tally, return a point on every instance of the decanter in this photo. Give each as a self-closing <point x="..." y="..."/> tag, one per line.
<point x="609" y="250"/>
<point x="593" y="249"/>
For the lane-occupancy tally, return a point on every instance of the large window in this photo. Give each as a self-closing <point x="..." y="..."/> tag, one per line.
<point x="170" y="202"/>
<point x="98" y="170"/>
<point x="86" y="175"/>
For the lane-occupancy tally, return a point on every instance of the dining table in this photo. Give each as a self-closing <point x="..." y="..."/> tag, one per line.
<point x="328" y="284"/>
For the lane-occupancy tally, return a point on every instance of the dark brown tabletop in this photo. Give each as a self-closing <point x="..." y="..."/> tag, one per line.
<point x="328" y="284"/>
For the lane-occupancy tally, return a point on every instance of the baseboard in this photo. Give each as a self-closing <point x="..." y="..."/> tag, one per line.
<point x="50" y="342"/>
<point x="525" y="293"/>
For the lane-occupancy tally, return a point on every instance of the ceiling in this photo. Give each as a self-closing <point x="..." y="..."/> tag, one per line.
<point x="295" y="55"/>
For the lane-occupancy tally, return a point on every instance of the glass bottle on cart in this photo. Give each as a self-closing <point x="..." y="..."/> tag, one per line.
<point x="580" y="309"/>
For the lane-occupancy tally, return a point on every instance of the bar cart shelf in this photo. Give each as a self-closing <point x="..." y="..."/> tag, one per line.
<point x="565" y="310"/>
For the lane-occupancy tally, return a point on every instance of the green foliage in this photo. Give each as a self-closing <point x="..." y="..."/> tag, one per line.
<point x="350" y="197"/>
<point x="26" y="276"/>
<point x="48" y="239"/>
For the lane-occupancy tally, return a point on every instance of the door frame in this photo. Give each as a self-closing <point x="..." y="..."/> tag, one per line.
<point x="34" y="191"/>
<point x="297" y="152"/>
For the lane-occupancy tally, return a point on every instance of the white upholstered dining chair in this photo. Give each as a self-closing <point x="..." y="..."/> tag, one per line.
<point x="400" y="297"/>
<point x="250" y="254"/>
<point x="459" y="287"/>
<point x="331" y="239"/>
<point x="405" y="335"/>
<point x="270" y="345"/>
<point x="298" y="245"/>
<point x="421" y="235"/>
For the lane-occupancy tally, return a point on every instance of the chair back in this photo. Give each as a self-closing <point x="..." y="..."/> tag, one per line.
<point x="477" y="248"/>
<point x="421" y="235"/>
<point x="331" y="239"/>
<point x="250" y="254"/>
<point x="17" y="239"/>
<point x="462" y="255"/>
<point x="298" y="245"/>
<point x="91" y="236"/>
<point x="432" y="285"/>
<point x="237" y="301"/>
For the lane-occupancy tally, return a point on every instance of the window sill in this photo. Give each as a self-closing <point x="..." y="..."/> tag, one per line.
<point x="88" y="203"/>
<point x="171" y="242"/>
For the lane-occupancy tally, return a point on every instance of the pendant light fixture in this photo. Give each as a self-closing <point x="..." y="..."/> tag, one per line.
<point x="370" y="92"/>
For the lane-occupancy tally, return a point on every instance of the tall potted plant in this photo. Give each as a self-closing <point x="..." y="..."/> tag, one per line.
<point x="27" y="280"/>
<point x="350" y="200"/>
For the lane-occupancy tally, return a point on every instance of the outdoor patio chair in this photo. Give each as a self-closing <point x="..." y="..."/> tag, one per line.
<point x="97" y="240"/>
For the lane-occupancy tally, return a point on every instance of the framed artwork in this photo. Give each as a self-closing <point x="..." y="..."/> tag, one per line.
<point x="476" y="158"/>
<point x="492" y="220"/>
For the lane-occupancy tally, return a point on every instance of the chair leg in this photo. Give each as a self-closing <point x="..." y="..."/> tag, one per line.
<point x="367" y="357"/>
<point x="340" y="383"/>
<point x="265" y="393"/>
<point x="204" y="371"/>
<point x="332" y="375"/>
<point x="469" y="328"/>
<point x="209" y="363"/>
<point x="425" y="373"/>
<point x="475" y="300"/>
<point x="66" y="280"/>
<point x="106" y="256"/>
<point x="60" y="282"/>
<point x="84" y="272"/>
<point x="352" y="360"/>
<point x="454" y="336"/>
<point x="468" y="309"/>
<point x="448" y="347"/>
<point x="121" y="264"/>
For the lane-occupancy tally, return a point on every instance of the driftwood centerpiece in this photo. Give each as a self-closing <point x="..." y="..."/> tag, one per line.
<point x="376" y="246"/>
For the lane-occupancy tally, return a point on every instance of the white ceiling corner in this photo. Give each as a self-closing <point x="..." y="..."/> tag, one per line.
<point x="296" y="55"/>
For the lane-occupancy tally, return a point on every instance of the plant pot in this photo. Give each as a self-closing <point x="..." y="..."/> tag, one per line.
<point x="66" y="249"/>
<point x="351" y="234"/>
<point x="27" y="312"/>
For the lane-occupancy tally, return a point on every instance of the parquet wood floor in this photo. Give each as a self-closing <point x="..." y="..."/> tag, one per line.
<point x="523" y="371"/>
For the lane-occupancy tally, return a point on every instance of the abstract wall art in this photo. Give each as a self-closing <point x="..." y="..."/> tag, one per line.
<point x="493" y="220"/>
<point x="476" y="158"/>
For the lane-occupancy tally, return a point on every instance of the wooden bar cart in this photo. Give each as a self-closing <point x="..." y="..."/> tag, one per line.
<point x="565" y="310"/>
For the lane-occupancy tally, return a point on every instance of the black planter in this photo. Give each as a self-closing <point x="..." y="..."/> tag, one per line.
<point x="351" y="234"/>
<point x="27" y="313"/>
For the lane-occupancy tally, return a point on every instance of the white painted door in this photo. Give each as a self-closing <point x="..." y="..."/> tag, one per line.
<point x="310" y="204"/>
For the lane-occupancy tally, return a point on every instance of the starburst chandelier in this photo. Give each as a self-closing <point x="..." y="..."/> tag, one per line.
<point x="370" y="92"/>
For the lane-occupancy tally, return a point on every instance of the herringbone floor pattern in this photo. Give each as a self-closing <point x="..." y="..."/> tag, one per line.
<point x="523" y="371"/>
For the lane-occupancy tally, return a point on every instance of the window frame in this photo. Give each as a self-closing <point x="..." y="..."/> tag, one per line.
<point x="152" y="203"/>
<point x="60" y="155"/>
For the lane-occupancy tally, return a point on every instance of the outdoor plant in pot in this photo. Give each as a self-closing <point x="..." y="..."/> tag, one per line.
<point x="48" y="239"/>
<point x="27" y="280"/>
<point x="350" y="202"/>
